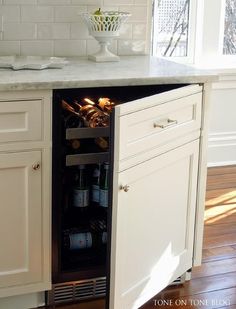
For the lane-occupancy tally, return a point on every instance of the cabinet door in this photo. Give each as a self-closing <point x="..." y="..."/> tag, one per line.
<point x="152" y="225"/>
<point x="20" y="220"/>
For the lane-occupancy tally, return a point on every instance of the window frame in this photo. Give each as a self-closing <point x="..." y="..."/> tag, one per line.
<point x="205" y="44"/>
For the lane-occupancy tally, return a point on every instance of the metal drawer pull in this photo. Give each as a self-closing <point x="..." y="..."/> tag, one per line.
<point x="36" y="166"/>
<point x="169" y="123"/>
<point x="125" y="188"/>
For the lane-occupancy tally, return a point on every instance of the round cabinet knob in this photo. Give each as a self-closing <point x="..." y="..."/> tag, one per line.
<point x="125" y="188"/>
<point x="36" y="166"/>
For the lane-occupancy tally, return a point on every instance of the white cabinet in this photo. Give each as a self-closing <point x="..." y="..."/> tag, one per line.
<point x="25" y="150"/>
<point x="154" y="223"/>
<point x="154" y="194"/>
<point x="21" y="218"/>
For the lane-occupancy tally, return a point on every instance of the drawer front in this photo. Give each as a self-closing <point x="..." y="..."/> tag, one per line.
<point x="152" y="127"/>
<point x="20" y="121"/>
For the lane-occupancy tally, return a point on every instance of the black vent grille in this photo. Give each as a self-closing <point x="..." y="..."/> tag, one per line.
<point x="84" y="289"/>
<point x="77" y="290"/>
<point x="179" y="280"/>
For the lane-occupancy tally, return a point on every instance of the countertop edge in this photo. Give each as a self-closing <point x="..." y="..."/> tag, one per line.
<point x="49" y="85"/>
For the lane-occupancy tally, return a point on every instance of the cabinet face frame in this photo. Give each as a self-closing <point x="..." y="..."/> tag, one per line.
<point x="115" y="279"/>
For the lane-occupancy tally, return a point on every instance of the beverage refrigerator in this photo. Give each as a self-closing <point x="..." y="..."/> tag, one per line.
<point x="83" y="163"/>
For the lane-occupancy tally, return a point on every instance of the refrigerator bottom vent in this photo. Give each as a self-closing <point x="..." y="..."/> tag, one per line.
<point x="76" y="290"/>
<point x="179" y="280"/>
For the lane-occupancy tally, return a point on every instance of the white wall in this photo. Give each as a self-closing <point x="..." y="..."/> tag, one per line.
<point x="222" y="135"/>
<point x="54" y="27"/>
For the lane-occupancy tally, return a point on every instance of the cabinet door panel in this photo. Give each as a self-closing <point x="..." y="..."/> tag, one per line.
<point x="153" y="225"/>
<point x="20" y="120"/>
<point x="20" y="219"/>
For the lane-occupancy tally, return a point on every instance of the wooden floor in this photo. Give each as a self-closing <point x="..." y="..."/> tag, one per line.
<point x="213" y="285"/>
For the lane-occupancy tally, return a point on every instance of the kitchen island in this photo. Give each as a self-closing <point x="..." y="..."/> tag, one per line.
<point x="158" y="147"/>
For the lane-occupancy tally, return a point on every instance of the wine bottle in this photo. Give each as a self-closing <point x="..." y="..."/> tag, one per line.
<point x="104" y="186"/>
<point x="81" y="190"/>
<point x="93" y="116"/>
<point x="73" y="121"/>
<point x="95" y="184"/>
<point x="73" y="145"/>
<point x="106" y="105"/>
<point x="97" y="225"/>
<point x="76" y="240"/>
<point x="104" y="238"/>
<point x="102" y="142"/>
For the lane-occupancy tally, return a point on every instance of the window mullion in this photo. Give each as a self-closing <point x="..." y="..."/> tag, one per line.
<point x="210" y="24"/>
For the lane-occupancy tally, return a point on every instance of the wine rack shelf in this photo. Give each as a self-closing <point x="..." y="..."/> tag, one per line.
<point x="74" y="133"/>
<point x="87" y="158"/>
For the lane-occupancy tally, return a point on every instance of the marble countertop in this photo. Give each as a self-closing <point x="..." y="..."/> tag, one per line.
<point x="130" y="70"/>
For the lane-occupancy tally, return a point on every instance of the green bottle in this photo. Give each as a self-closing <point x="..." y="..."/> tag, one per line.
<point x="81" y="189"/>
<point x="96" y="184"/>
<point x="104" y="186"/>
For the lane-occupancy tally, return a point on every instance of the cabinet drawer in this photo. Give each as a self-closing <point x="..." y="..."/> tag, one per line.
<point x="20" y="120"/>
<point x="151" y="127"/>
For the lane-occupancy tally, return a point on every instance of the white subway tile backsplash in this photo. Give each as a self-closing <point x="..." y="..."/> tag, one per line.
<point x="126" y="31"/>
<point x="36" y="13"/>
<point x="9" y="48"/>
<point x="71" y="48"/>
<point x="55" y="27"/>
<point x="19" y="31"/>
<point x="10" y="13"/>
<point x="53" y="31"/>
<point x="139" y="13"/>
<point x="139" y="31"/>
<point x="68" y="13"/>
<point x="54" y="2"/>
<point x="18" y="2"/>
<point x="144" y="2"/>
<point x="1" y="24"/>
<point x="108" y="8"/>
<point x="118" y="2"/>
<point x="37" y="48"/>
<point x="88" y="2"/>
<point x="131" y="47"/>
<point x="79" y="31"/>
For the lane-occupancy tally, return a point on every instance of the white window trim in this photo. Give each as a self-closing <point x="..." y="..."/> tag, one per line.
<point x="206" y="35"/>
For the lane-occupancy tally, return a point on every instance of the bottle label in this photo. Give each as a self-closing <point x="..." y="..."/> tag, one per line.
<point x="80" y="241"/>
<point x="81" y="198"/>
<point x="96" y="173"/>
<point x="103" y="198"/>
<point x="95" y="193"/>
<point x="104" y="238"/>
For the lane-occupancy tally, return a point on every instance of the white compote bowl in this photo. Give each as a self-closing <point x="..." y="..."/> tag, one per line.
<point x="104" y="27"/>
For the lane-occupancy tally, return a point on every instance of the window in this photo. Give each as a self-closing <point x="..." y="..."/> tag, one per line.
<point x="229" y="46"/>
<point x="202" y="32"/>
<point x="172" y="20"/>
